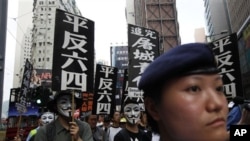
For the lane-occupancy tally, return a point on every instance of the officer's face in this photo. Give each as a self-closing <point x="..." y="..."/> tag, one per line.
<point x="132" y="112"/>
<point x="192" y="108"/>
<point x="47" y="117"/>
<point x="64" y="105"/>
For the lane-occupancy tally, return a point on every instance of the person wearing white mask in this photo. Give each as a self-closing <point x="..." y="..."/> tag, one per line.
<point x="64" y="128"/>
<point x="44" y="119"/>
<point x="131" y="132"/>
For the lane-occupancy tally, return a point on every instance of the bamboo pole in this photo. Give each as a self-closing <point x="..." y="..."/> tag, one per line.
<point x="18" y="125"/>
<point x="72" y="110"/>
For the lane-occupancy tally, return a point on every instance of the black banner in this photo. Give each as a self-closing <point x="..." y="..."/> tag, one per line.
<point x="22" y="102"/>
<point x="124" y="88"/>
<point x="73" y="56"/>
<point x="143" y="46"/>
<point x="105" y="89"/>
<point x="227" y="56"/>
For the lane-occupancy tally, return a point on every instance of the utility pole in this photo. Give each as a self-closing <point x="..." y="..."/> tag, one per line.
<point x="3" y="27"/>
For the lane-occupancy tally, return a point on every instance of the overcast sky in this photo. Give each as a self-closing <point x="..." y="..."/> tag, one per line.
<point x="110" y="27"/>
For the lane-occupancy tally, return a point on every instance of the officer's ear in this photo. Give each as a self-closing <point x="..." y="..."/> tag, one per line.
<point x="151" y="108"/>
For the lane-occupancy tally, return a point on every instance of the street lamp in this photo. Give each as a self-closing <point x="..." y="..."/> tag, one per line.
<point x="208" y="37"/>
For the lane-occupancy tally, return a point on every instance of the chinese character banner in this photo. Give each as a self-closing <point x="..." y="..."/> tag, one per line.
<point x="105" y="89"/>
<point x="143" y="46"/>
<point x="227" y="56"/>
<point x="73" y="56"/>
<point x="22" y="102"/>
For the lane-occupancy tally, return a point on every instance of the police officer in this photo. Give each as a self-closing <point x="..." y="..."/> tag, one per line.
<point x="184" y="97"/>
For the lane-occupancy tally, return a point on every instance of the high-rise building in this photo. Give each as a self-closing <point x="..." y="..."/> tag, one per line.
<point x="199" y="35"/>
<point x="24" y="25"/>
<point x="217" y="20"/>
<point x="238" y="11"/>
<point x="43" y="29"/>
<point x="239" y="15"/>
<point x="40" y="15"/>
<point x="157" y="15"/>
<point x="26" y="45"/>
<point x="24" y="54"/>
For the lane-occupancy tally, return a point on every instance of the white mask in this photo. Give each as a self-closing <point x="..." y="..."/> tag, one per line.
<point x="64" y="105"/>
<point x="47" y="117"/>
<point x="132" y="113"/>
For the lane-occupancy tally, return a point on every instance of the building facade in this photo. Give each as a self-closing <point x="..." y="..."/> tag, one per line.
<point x="43" y="29"/>
<point x="24" y="25"/>
<point x="157" y="15"/>
<point x="238" y="11"/>
<point x="199" y="35"/>
<point x="37" y="43"/>
<point x="3" y="27"/>
<point x="217" y="20"/>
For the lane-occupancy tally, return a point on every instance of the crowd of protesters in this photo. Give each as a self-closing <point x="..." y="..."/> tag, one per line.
<point x="183" y="98"/>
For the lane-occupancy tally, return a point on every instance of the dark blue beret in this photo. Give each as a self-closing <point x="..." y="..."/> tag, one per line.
<point x="182" y="60"/>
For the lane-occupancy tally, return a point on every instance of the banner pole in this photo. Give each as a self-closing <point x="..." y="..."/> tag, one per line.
<point x="72" y="109"/>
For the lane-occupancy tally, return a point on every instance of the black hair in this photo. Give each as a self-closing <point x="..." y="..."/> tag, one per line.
<point x="106" y="118"/>
<point x="113" y="112"/>
<point x="87" y="117"/>
<point x="155" y="95"/>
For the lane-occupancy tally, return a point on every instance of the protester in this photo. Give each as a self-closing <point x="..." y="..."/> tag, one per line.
<point x="19" y="136"/>
<point x="64" y="128"/>
<point x="143" y="124"/>
<point x="114" y="127"/>
<point x="44" y="119"/>
<point x="234" y="115"/>
<point x="100" y="120"/>
<point x="239" y="113"/>
<point x="106" y="123"/>
<point x="245" y="118"/>
<point x="97" y="132"/>
<point x="183" y="95"/>
<point x="131" y="132"/>
<point x="123" y="122"/>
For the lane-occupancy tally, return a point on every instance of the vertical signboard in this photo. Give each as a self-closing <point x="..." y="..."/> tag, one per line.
<point x="105" y="89"/>
<point x="73" y="55"/>
<point x="143" y="46"/>
<point x="22" y="102"/>
<point x="119" y="59"/>
<point x="227" y="56"/>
